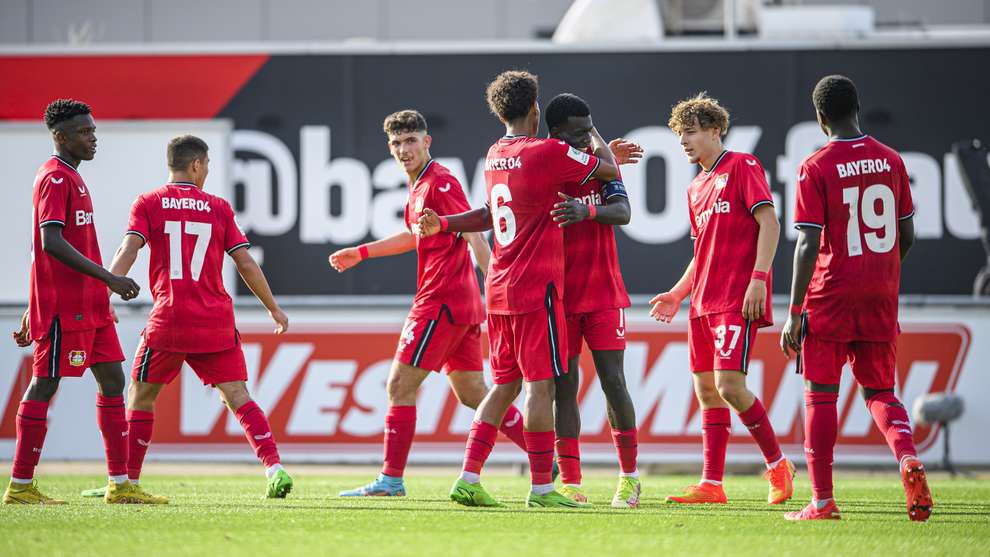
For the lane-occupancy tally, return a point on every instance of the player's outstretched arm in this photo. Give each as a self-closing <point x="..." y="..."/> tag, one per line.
<point x="126" y="254"/>
<point x="55" y="245"/>
<point x="666" y="304"/>
<point x="905" y="236"/>
<point x="397" y="243"/>
<point x="430" y="223"/>
<point x="805" y="255"/>
<point x="754" y="302"/>
<point x="570" y="211"/>
<point x="255" y="279"/>
<point x="481" y="250"/>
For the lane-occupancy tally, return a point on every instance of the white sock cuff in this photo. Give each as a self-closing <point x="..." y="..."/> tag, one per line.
<point x="633" y="474"/>
<point x="21" y="480"/>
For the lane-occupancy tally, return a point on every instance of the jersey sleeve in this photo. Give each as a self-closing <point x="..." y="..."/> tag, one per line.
<point x="567" y="164"/>
<point x="810" y="203"/>
<point x="905" y="203"/>
<point x="446" y="197"/>
<point x="53" y="199"/>
<point x="138" y="223"/>
<point x="755" y="191"/>
<point x="234" y="237"/>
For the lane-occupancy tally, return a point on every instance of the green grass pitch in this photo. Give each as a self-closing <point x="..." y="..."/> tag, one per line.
<point x="225" y="515"/>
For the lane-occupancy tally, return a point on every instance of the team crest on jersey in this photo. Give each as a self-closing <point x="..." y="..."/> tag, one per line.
<point x="721" y="180"/>
<point x="77" y="358"/>
<point x="408" y="334"/>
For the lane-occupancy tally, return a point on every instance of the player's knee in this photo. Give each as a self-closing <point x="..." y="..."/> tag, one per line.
<point x="111" y="382"/>
<point x="41" y="389"/>
<point x="234" y="393"/>
<point x="400" y="389"/>
<point x="470" y="394"/>
<point x="141" y="396"/>
<point x="730" y="391"/>
<point x="614" y="385"/>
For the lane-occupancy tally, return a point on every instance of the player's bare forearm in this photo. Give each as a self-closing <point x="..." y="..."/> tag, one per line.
<point x="476" y="220"/>
<point x="905" y="233"/>
<point x="479" y="247"/>
<point x="682" y="288"/>
<point x="615" y="212"/>
<point x="254" y="278"/>
<point x="766" y="242"/>
<point x="126" y="254"/>
<point x="397" y="243"/>
<point x="805" y="255"/>
<point x="55" y="245"/>
<point x="608" y="169"/>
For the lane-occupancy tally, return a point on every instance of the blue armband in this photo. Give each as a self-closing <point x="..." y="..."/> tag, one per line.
<point x="613" y="189"/>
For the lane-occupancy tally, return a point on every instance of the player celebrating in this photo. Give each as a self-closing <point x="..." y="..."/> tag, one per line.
<point x="856" y="190"/>
<point x="594" y="302"/>
<point x="443" y="328"/>
<point x="735" y="232"/>
<point x="192" y="321"/>
<point x="525" y="280"/>
<point x="69" y="316"/>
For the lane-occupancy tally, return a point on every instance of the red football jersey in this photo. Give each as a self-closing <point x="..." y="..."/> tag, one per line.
<point x="188" y="231"/>
<point x="523" y="176"/>
<point x="444" y="271"/>
<point x="593" y="281"/>
<point x="721" y="204"/>
<point x="856" y="190"/>
<point x="78" y="301"/>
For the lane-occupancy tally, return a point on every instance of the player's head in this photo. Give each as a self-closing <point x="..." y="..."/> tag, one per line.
<point x="188" y="159"/>
<point x="836" y="101"/>
<point x="701" y="123"/>
<point x="569" y="119"/>
<point x="512" y="97"/>
<point x="408" y="139"/>
<point x="73" y="129"/>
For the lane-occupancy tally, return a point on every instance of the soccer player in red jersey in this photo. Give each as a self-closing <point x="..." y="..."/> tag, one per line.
<point x="188" y="232"/>
<point x="443" y="328"/>
<point x="595" y="299"/>
<point x="525" y="280"/>
<point x="69" y="317"/>
<point x="854" y="213"/>
<point x="735" y="233"/>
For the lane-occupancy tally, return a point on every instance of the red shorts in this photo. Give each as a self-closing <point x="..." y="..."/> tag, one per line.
<point x="873" y="363"/>
<point x="69" y="354"/>
<point x="157" y="366"/>
<point x="602" y="330"/>
<point x="720" y="341"/>
<point x="528" y="345"/>
<point x="439" y="344"/>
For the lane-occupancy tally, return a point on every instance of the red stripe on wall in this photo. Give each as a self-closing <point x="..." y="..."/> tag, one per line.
<point x="125" y="87"/>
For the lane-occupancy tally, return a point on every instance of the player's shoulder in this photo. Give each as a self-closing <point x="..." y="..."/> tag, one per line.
<point x="885" y="150"/>
<point x="56" y="173"/>
<point x="439" y="178"/>
<point x="738" y="159"/>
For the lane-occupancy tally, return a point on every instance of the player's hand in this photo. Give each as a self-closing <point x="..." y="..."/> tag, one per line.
<point x="790" y="336"/>
<point x="125" y="287"/>
<point x="665" y="306"/>
<point x="280" y="319"/>
<point x="755" y="301"/>
<point x="569" y="211"/>
<point x="113" y="315"/>
<point x="23" y="337"/>
<point x="625" y="151"/>
<point x="427" y="225"/>
<point x="344" y="259"/>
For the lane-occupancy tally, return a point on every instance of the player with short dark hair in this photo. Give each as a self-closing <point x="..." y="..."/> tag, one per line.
<point x="69" y="317"/>
<point x="735" y="232"/>
<point x="525" y="281"/>
<point x="443" y="328"/>
<point x="188" y="232"/>
<point x="595" y="299"/>
<point x="855" y="192"/>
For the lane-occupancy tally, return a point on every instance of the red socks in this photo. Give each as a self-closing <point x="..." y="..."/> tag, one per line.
<point x="400" y="427"/>
<point x="889" y="415"/>
<point x="539" y="445"/>
<point x="480" y="443"/>
<point x="139" y="427"/>
<point x="715" y="426"/>
<point x="259" y="433"/>
<point x="569" y="460"/>
<point x="626" y="444"/>
<point x="758" y="423"/>
<point x="821" y="428"/>
<point x="512" y="426"/>
<point x="113" y="425"/>
<point x="32" y="425"/>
